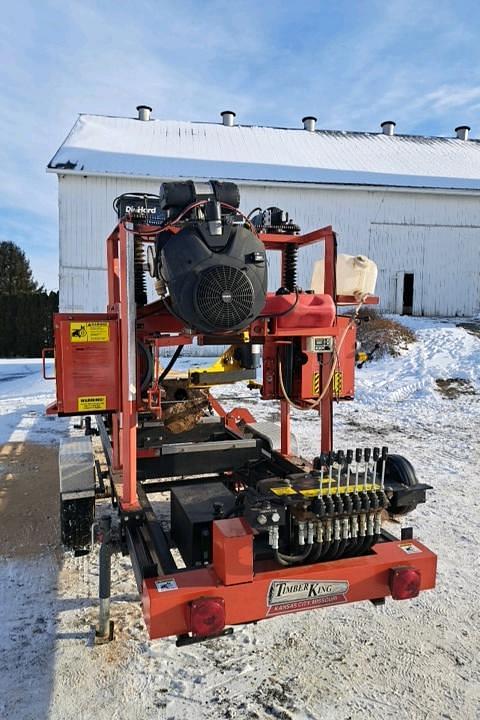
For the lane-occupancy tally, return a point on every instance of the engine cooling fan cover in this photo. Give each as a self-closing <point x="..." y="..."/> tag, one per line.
<point x="217" y="284"/>
<point x="224" y="297"/>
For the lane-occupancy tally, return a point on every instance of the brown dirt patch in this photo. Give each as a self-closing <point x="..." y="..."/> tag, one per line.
<point x="471" y="326"/>
<point x="452" y="388"/>
<point x="390" y="336"/>
<point x="29" y="516"/>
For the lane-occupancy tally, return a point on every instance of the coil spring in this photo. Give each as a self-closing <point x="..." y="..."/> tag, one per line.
<point x="289" y="279"/>
<point x="140" y="282"/>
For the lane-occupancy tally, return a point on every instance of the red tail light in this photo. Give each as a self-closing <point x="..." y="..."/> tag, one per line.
<point x="207" y="616"/>
<point x="404" y="583"/>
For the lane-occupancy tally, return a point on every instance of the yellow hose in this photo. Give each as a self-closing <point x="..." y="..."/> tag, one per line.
<point x="338" y="347"/>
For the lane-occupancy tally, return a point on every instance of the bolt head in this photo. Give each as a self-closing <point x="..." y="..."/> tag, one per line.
<point x="275" y="517"/>
<point x="262" y="519"/>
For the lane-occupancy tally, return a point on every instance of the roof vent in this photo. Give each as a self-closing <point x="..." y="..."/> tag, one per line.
<point x="388" y="127"/>
<point x="309" y="123"/>
<point x="144" y="112"/>
<point x="228" y="117"/>
<point x="462" y="132"/>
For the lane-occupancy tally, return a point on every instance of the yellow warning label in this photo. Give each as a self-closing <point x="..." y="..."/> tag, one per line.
<point x="92" y="402"/>
<point x="89" y="332"/>
<point x="283" y="490"/>
<point x="337" y="382"/>
<point x="316" y="384"/>
<point x="313" y="492"/>
<point x="351" y="488"/>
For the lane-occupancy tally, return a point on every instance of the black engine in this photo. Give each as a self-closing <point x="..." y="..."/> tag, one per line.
<point x="213" y="266"/>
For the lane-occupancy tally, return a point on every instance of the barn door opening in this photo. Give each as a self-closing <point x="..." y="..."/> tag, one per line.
<point x="404" y="303"/>
<point x="407" y="303"/>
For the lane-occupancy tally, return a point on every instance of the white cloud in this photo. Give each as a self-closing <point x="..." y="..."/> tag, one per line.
<point x="351" y="64"/>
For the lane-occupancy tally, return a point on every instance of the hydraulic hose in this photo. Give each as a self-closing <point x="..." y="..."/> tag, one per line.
<point x="171" y="363"/>
<point x="286" y="560"/>
<point x="316" y="552"/>
<point x="148" y="374"/>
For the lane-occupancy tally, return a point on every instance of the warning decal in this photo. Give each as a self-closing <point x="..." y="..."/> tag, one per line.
<point x="89" y="332"/>
<point x="92" y="402"/>
<point x="312" y="492"/>
<point x="166" y="585"/>
<point x="283" y="490"/>
<point x="409" y="548"/>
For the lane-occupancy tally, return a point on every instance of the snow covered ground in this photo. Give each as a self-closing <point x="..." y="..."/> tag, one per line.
<point x="410" y="660"/>
<point x="24" y="396"/>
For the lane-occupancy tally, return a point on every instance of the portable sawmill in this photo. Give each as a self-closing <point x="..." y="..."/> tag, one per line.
<point x="253" y="531"/>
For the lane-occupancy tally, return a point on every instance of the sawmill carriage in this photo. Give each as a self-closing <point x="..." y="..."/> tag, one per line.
<point x="260" y="531"/>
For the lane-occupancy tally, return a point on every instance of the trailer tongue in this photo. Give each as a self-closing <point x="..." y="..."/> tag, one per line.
<point x="260" y="531"/>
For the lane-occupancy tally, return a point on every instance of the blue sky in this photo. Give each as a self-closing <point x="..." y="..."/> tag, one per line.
<point x="350" y="63"/>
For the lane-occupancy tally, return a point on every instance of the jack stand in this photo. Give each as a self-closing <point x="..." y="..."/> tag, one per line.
<point x="104" y="629"/>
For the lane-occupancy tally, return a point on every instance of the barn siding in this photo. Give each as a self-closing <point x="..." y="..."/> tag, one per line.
<point x="435" y="236"/>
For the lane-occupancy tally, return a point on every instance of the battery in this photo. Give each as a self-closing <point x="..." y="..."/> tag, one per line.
<point x="193" y="509"/>
<point x="77" y="492"/>
<point x="143" y="209"/>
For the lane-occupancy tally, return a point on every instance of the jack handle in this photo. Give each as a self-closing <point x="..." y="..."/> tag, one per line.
<point x="44" y="369"/>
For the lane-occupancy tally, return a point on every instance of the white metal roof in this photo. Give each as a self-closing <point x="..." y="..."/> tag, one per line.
<point x="116" y="146"/>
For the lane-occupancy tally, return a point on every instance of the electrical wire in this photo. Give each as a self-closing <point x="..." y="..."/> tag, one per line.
<point x="163" y="228"/>
<point x="200" y="203"/>
<point x="290" y="309"/>
<point x="338" y="348"/>
<point x="282" y="388"/>
<point x="316" y="403"/>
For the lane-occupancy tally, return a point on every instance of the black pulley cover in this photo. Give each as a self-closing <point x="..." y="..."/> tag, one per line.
<point x="217" y="281"/>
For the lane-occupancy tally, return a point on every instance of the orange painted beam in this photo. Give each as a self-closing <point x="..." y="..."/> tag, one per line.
<point x="276" y="591"/>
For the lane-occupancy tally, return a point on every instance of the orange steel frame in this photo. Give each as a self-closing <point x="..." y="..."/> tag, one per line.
<point x="244" y="585"/>
<point x="233" y="575"/>
<point x="155" y="318"/>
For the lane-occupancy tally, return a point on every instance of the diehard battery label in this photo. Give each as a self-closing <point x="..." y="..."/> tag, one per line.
<point x="89" y="332"/>
<point x="92" y="402"/>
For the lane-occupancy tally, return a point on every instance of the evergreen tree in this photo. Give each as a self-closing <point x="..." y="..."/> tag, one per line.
<point x="26" y="311"/>
<point x="15" y="272"/>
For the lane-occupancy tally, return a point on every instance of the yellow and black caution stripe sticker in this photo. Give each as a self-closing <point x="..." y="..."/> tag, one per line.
<point x="91" y="402"/>
<point x="82" y="332"/>
<point x="337" y="382"/>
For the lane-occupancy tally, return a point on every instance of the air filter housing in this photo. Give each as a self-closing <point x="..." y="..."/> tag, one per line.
<point x="216" y="275"/>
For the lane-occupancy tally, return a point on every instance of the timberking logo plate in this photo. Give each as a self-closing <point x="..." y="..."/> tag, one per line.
<point x="290" y="595"/>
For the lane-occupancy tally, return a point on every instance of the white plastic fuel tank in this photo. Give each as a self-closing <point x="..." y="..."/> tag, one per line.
<point x="356" y="275"/>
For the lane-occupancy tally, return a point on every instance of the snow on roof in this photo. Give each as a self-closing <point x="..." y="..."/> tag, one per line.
<point x="163" y="149"/>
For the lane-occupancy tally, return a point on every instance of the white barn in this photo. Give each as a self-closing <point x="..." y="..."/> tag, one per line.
<point x="411" y="203"/>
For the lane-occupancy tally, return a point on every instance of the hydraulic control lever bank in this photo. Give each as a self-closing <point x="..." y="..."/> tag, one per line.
<point x="254" y="531"/>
